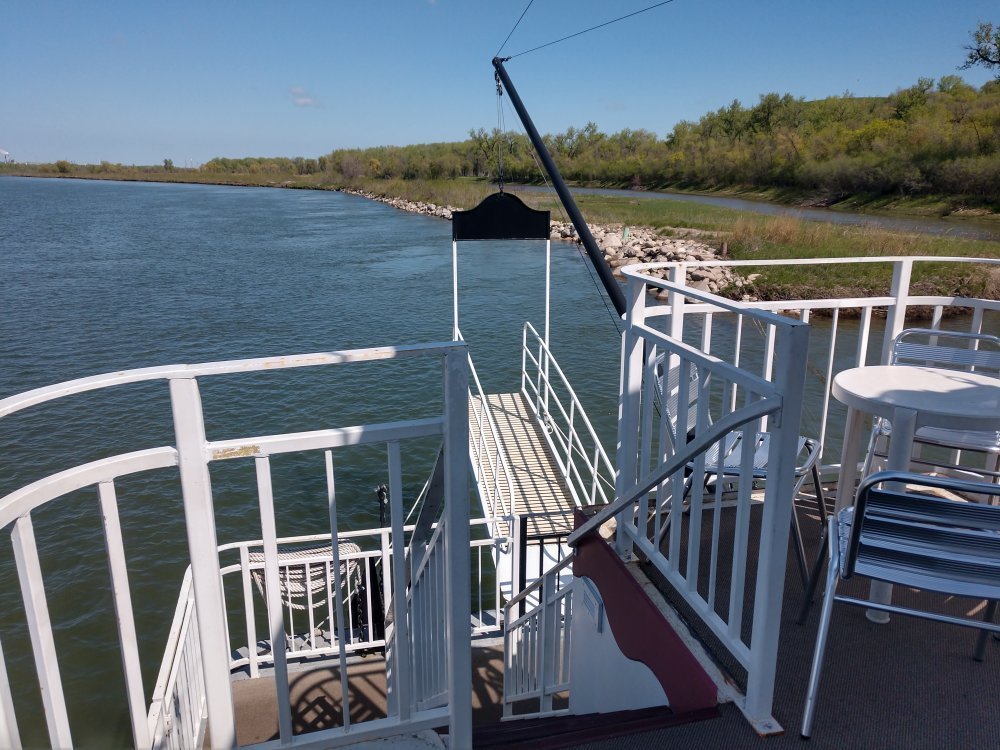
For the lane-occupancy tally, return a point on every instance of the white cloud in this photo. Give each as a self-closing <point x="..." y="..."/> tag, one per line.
<point x="301" y="97"/>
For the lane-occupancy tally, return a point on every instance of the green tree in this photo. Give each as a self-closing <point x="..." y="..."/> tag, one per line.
<point x="168" y="165"/>
<point x="985" y="50"/>
<point x="63" y="166"/>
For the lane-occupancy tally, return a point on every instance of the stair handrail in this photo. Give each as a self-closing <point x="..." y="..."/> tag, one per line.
<point x="476" y="442"/>
<point x="544" y="629"/>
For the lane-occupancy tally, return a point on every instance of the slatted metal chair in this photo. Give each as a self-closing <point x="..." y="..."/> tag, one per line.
<point x="302" y="586"/>
<point x="723" y="460"/>
<point x="953" y="350"/>
<point x="899" y="534"/>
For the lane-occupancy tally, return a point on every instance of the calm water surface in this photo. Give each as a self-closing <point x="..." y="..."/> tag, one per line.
<point x="101" y="276"/>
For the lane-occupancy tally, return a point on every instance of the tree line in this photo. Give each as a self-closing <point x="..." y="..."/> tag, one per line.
<point x="933" y="138"/>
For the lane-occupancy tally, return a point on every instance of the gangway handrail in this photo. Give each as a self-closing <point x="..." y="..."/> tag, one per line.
<point x="478" y="447"/>
<point x="572" y="444"/>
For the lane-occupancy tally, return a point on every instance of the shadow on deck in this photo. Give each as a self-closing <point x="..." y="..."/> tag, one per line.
<point x="909" y="684"/>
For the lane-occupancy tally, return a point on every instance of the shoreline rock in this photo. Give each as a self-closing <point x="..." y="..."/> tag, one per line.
<point x="622" y="245"/>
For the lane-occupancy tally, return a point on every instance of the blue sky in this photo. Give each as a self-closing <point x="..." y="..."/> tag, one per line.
<point x="138" y="82"/>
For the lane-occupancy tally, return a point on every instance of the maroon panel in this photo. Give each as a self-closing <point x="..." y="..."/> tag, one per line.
<point x="640" y="630"/>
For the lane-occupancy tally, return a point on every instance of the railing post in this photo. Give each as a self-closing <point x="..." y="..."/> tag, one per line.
<point x="895" y="321"/>
<point x="251" y="619"/>
<point x="790" y="357"/>
<point x="546" y="623"/>
<point x="629" y="405"/>
<point x="456" y="491"/>
<point x="676" y="301"/>
<point x="123" y="610"/>
<point x="199" y="516"/>
<point x="519" y="541"/>
<point x="9" y="736"/>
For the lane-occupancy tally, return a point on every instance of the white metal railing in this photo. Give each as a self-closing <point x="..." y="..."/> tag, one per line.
<point x="429" y="641"/>
<point x="537" y="646"/>
<point x="489" y="461"/>
<point x="311" y="629"/>
<point x="578" y="451"/>
<point x="676" y="403"/>
<point x="846" y="332"/>
<point x="193" y="454"/>
<point x="15" y="513"/>
<point x="177" y="716"/>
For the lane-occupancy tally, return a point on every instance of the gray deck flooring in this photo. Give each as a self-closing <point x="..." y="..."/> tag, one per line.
<point x="910" y="684"/>
<point x="538" y="484"/>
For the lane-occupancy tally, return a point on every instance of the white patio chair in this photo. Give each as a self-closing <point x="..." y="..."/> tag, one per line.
<point x="971" y="352"/>
<point x="723" y="460"/>
<point x="299" y="590"/>
<point x="906" y="537"/>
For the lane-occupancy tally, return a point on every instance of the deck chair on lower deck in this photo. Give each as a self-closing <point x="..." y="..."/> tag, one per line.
<point x="303" y="581"/>
<point x="723" y="460"/>
<point x="952" y="350"/>
<point x="898" y="534"/>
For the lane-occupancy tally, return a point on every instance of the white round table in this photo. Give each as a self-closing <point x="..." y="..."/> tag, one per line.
<point x="910" y="398"/>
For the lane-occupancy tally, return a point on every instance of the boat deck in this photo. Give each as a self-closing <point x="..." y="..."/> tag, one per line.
<point x="910" y="684"/>
<point x="539" y="488"/>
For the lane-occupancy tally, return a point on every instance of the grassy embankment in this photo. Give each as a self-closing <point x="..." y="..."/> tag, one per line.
<point x="748" y="237"/>
<point x="760" y="237"/>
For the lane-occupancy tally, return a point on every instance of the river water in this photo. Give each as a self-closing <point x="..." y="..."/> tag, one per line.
<point x="100" y="276"/>
<point x="965" y="228"/>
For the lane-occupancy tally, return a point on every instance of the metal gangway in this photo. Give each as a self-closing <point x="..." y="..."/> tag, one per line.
<point x="536" y="458"/>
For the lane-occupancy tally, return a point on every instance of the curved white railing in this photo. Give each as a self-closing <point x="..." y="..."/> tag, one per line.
<point x="193" y="691"/>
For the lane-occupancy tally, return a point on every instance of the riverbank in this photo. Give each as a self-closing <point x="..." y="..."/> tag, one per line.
<point x="622" y="245"/>
<point x="654" y="225"/>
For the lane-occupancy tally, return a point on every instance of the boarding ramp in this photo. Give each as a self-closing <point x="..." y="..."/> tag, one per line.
<point x="536" y="458"/>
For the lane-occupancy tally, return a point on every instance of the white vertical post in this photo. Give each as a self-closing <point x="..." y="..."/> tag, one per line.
<point x="769" y="363"/>
<point x="791" y="351"/>
<point x="902" y="269"/>
<point x="391" y="693"/>
<point x="454" y="289"/>
<point x="629" y="404"/>
<point x="9" y="736"/>
<point x="199" y="518"/>
<point x="456" y="493"/>
<point x="402" y="683"/>
<point x="251" y="618"/>
<point x="548" y="286"/>
<point x="276" y="623"/>
<point x="136" y="698"/>
<point x="331" y="497"/>
<point x="43" y="645"/>
<point x="676" y="300"/>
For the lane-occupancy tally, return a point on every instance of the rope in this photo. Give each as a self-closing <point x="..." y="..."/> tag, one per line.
<point x="514" y="29"/>
<point x="592" y="28"/>
<point x="499" y="138"/>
